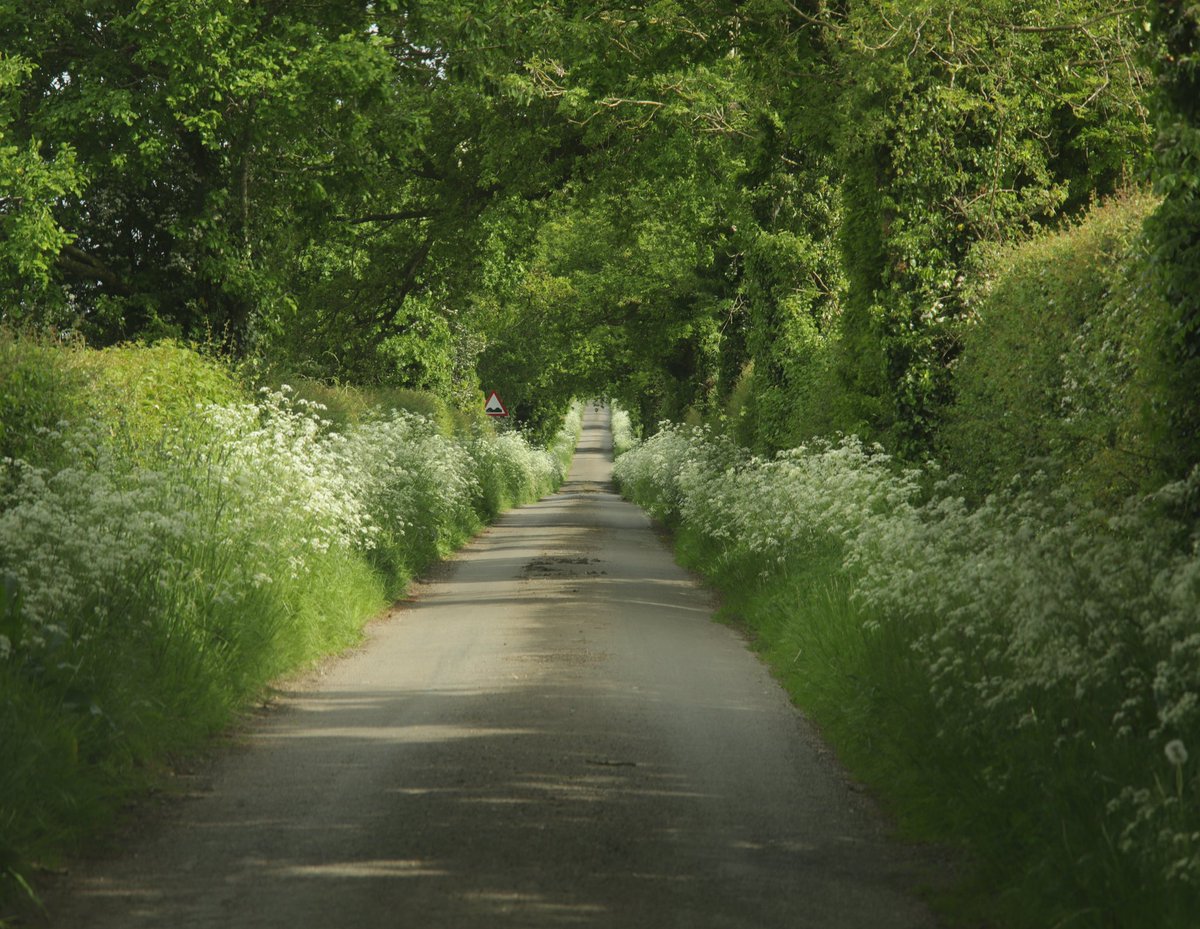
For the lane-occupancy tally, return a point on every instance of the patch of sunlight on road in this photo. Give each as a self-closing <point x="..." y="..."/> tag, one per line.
<point x="414" y="734"/>
<point x="535" y="903"/>
<point x="797" y="847"/>
<point x="670" y="606"/>
<point x="89" y="888"/>
<point x="398" y="867"/>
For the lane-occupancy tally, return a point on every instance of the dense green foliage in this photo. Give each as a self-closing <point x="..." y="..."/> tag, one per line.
<point x="1004" y="674"/>
<point x="177" y="543"/>
<point x="761" y="209"/>
<point x="1053" y="374"/>
<point x="922" y="223"/>
<point x="941" y="125"/>
<point x="1175" y="230"/>
<point x="298" y="181"/>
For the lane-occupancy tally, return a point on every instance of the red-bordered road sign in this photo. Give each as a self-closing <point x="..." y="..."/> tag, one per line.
<point x="494" y="407"/>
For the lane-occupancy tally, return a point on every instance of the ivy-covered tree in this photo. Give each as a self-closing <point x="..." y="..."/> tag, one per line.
<point x="960" y="123"/>
<point x="1175" y="230"/>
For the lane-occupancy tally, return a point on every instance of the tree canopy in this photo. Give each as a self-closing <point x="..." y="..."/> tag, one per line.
<point x="761" y="209"/>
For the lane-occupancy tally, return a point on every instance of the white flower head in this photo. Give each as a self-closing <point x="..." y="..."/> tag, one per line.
<point x="1176" y="753"/>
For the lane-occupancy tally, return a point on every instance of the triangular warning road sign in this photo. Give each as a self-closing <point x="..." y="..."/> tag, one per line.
<point x="494" y="407"/>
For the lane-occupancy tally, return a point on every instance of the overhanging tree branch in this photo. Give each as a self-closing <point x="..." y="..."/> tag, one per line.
<point x="393" y="217"/>
<point x="75" y="262"/>
<point x="407" y="280"/>
<point x="1073" y="27"/>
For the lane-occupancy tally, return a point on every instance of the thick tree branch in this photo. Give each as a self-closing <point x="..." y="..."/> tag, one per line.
<point x="76" y="263"/>
<point x="399" y="215"/>
<point x="407" y="280"/>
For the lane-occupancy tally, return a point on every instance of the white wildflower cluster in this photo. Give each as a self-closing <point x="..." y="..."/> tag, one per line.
<point x="229" y="510"/>
<point x="803" y="501"/>
<point x="68" y="538"/>
<point x="623" y="436"/>
<point x="281" y="461"/>
<point x="1032" y="617"/>
<point x="415" y="484"/>
<point x="511" y="469"/>
<point x="562" y="448"/>
<point x="651" y="477"/>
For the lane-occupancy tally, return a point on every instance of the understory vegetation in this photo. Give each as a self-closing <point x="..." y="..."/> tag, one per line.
<point x="1020" y="675"/>
<point x="170" y="543"/>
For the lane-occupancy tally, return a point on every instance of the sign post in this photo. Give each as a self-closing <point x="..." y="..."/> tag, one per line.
<point x="494" y="407"/>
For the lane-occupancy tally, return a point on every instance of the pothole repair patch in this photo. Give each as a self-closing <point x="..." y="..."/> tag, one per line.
<point x="562" y="566"/>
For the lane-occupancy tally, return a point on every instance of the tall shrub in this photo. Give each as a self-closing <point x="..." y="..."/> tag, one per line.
<point x="1051" y="373"/>
<point x="1176" y="230"/>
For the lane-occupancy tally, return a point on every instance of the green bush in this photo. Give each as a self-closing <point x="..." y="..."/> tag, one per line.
<point x="146" y="391"/>
<point x="39" y="388"/>
<point x="348" y="404"/>
<point x="1051" y="375"/>
<point x="139" y="392"/>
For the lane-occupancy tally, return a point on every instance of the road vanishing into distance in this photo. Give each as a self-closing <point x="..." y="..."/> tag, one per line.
<point x="553" y="733"/>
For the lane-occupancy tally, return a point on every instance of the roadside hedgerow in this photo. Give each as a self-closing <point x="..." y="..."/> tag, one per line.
<point x="1022" y="673"/>
<point x="623" y="436"/>
<point x="149" y="589"/>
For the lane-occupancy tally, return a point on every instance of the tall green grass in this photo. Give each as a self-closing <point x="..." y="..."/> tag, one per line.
<point x="1019" y="676"/>
<point x="162" y="559"/>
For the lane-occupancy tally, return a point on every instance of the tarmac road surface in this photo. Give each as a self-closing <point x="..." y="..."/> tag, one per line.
<point x="553" y="734"/>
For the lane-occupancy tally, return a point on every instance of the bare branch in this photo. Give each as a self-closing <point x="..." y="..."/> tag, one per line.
<point x="1072" y="27"/>
<point x="398" y="216"/>
<point x="825" y="22"/>
<point x="612" y="102"/>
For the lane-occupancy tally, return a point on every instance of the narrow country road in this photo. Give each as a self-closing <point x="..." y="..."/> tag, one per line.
<point x="554" y="734"/>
